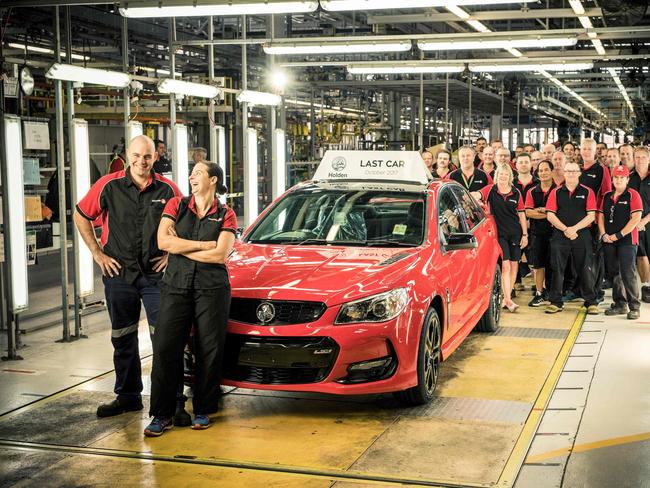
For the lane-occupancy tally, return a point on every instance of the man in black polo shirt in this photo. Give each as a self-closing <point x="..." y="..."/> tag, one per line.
<point x="570" y="210"/>
<point x="467" y="175"/>
<point x="640" y="181"/>
<point x="130" y="203"/>
<point x="618" y="218"/>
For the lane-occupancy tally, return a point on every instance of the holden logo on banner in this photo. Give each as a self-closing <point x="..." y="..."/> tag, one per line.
<point x="265" y="312"/>
<point x="339" y="164"/>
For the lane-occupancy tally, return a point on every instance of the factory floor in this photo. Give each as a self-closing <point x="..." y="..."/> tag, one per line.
<point x="548" y="400"/>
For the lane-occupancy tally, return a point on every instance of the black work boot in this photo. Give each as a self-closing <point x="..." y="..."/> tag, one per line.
<point x="181" y="417"/>
<point x="117" y="407"/>
<point x="645" y="294"/>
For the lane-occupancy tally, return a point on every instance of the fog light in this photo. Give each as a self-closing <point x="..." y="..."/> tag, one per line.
<point x="371" y="370"/>
<point x="367" y="365"/>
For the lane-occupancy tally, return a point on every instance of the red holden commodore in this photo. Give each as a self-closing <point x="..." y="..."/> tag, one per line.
<point x="361" y="281"/>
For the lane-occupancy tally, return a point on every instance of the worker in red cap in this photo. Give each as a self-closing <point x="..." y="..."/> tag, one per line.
<point x="618" y="217"/>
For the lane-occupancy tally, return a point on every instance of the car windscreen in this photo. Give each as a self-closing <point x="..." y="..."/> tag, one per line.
<point x="380" y="218"/>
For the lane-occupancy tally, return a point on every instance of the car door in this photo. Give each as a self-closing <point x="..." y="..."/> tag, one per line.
<point x="480" y="275"/>
<point x="455" y="264"/>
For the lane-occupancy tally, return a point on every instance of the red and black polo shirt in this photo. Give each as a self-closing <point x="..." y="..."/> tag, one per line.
<point x="642" y="186"/>
<point x="129" y="219"/>
<point x="489" y="173"/>
<point x="597" y="178"/>
<point x="537" y="198"/>
<point x="505" y="209"/>
<point x="478" y="180"/>
<point x="617" y="211"/>
<point x="571" y="206"/>
<point x="186" y="273"/>
<point x="524" y="188"/>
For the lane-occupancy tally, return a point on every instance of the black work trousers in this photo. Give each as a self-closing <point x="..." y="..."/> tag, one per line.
<point x="621" y="270"/>
<point x="208" y="311"/>
<point x="580" y="250"/>
<point x="123" y="301"/>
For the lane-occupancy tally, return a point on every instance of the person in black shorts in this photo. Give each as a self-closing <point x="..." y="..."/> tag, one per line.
<point x="618" y="217"/>
<point x="506" y="205"/>
<point x="540" y="231"/>
<point x="640" y="181"/>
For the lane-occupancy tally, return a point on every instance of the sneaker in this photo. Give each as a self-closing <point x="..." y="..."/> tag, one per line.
<point x="569" y="296"/>
<point x="201" y="422"/>
<point x="118" y="407"/>
<point x="181" y="417"/>
<point x="593" y="310"/>
<point x="554" y="309"/>
<point x="616" y="310"/>
<point x="537" y="300"/>
<point x="645" y="294"/>
<point x="545" y="295"/>
<point x="633" y="314"/>
<point x="158" y="426"/>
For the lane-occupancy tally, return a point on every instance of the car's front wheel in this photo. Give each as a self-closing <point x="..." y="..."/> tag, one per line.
<point x="490" y="320"/>
<point x="428" y="362"/>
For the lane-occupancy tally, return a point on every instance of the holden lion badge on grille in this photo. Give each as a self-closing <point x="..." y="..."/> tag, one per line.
<point x="265" y="312"/>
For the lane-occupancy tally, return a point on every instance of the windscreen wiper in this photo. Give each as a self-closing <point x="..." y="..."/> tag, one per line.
<point x="313" y="240"/>
<point x="388" y="242"/>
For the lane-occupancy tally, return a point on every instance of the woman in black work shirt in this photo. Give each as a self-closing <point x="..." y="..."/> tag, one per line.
<point x="506" y="205"/>
<point x="198" y="233"/>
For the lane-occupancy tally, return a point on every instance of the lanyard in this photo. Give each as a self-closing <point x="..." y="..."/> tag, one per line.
<point x="471" y="180"/>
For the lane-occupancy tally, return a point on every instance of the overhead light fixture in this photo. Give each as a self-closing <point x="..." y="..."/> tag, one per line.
<point x="457" y="11"/>
<point x="220" y="9"/>
<point x="467" y="44"/>
<point x="571" y="92"/>
<point x="250" y="177"/>
<point x="69" y="72"/>
<point x="279" y="170"/>
<point x="186" y="88"/>
<point x="586" y="22"/>
<point x="479" y="26"/>
<point x="158" y="71"/>
<point x="499" y="68"/>
<point x="412" y="68"/>
<point x="259" y="98"/>
<point x="180" y="160"/>
<point x="598" y="46"/>
<point x="84" y="268"/>
<point x="621" y="87"/>
<point x="45" y="50"/>
<point x="13" y="197"/>
<point x="577" y="7"/>
<point x="352" y="47"/>
<point x="340" y="5"/>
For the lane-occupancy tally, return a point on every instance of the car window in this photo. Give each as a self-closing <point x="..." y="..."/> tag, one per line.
<point x="450" y="216"/>
<point x="471" y="212"/>
<point x="356" y="217"/>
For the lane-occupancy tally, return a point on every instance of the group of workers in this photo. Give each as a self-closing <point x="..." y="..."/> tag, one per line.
<point x="166" y="251"/>
<point x="575" y="214"/>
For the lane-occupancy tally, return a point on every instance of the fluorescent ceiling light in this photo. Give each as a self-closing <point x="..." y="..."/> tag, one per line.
<point x="571" y="92"/>
<point x="259" y="98"/>
<point x="598" y="45"/>
<point x="339" y="5"/>
<point x="586" y="22"/>
<point x="539" y="42"/>
<point x="179" y="87"/>
<point x="457" y="11"/>
<point x="495" y="68"/>
<point x="279" y="168"/>
<point x="401" y="69"/>
<point x="223" y="9"/>
<point x="577" y="7"/>
<point x="180" y="159"/>
<point x="84" y="268"/>
<point x="45" y="50"/>
<point x="362" y="46"/>
<point x="69" y="72"/>
<point x="479" y="26"/>
<point x="251" y="203"/>
<point x="158" y="71"/>
<point x="13" y="197"/>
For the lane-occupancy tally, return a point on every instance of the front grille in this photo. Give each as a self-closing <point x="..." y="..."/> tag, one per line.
<point x="279" y="360"/>
<point x="286" y="312"/>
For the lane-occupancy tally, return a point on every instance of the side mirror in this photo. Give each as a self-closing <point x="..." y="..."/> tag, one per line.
<point x="460" y="241"/>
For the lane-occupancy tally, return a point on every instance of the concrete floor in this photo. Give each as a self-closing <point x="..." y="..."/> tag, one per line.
<point x="498" y="406"/>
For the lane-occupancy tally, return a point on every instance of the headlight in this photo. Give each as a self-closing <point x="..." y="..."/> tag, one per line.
<point x="377" y="308"/>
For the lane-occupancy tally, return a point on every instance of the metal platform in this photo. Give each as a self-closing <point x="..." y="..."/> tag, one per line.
<point x="476" y="433"/>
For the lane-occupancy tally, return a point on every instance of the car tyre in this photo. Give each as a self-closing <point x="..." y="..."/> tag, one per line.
<point x="428" y="362"/>
<point x="490" y="320"/>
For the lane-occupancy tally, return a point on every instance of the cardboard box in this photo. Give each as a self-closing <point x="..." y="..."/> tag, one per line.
<point x="33" y="212"/>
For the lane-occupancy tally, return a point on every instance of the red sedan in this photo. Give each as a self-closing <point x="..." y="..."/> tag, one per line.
<point x="351" y="286"/>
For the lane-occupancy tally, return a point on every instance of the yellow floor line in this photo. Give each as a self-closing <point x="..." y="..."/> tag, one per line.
<point x="518" y="454"/>
<point x="615" y="441"/>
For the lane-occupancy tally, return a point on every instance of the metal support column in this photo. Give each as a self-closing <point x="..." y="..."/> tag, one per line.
<point x="519" y="135"/>
<point x="421" y="111"/>
<point x="213" y="132"/>
<point x="502" y="109"/>
<point x="469" y="114"/>
<point x="312" y="127"/>
<point x="172" y="97"/>
<point x="74" y="196"/>
<point x="126" y="95"/>
<point x="272" y="150"/>
<point x="446" y="109"/>
<point x="60" y="173"/>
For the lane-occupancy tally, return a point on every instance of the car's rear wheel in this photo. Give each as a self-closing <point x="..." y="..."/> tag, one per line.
<point x="428" y="362"/>
<point x="490" y="320"/>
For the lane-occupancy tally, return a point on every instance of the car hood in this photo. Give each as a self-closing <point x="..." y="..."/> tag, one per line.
<point x="325" y="273"/>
